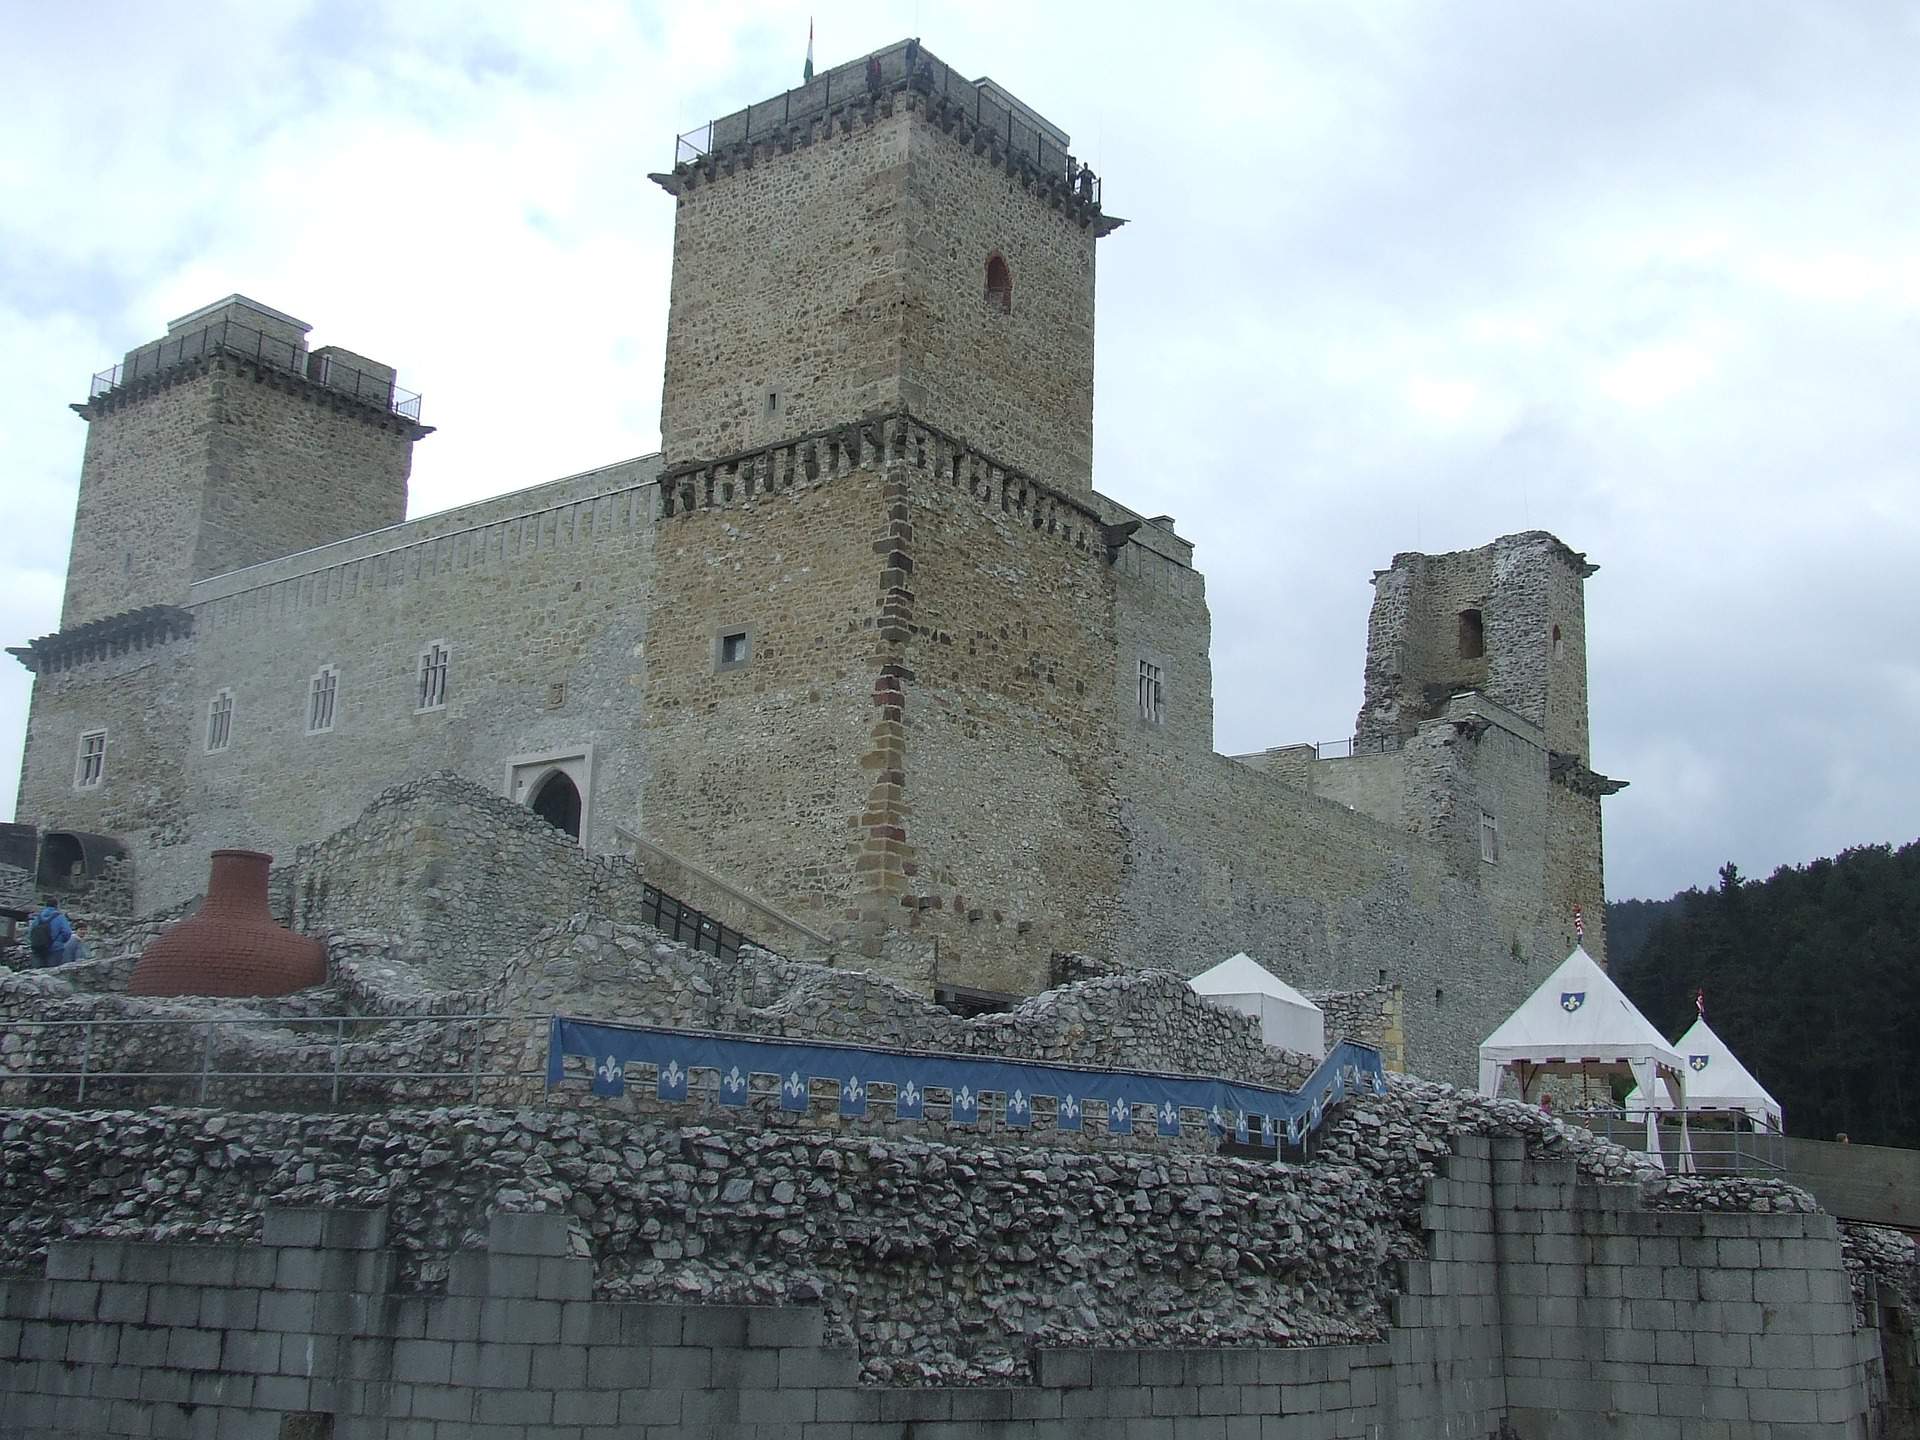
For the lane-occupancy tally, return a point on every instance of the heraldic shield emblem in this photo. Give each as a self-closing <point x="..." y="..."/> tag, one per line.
<point x="1698" y="1062"/>
<point x="1572" y="1000"/>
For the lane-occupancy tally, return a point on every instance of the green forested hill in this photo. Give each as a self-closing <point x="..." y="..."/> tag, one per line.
<point x="1812" y="976"/>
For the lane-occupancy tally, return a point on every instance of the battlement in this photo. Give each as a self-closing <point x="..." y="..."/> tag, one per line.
<point x="246" y="330"/>
<point x="979" y="113"/>
<point x="98" y="639"/>
<point x="824" y="455"/>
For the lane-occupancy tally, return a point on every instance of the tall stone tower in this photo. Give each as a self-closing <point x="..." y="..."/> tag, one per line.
<point x="224" y="444"/>
<point x="1508" y="621"/>
<point x="839" y="255"/>
<point x="881" y="581"/>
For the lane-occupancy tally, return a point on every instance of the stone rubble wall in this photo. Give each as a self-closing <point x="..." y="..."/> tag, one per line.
<point x="936" y="1260"/>
<point x="1674" y="1326"/>
<point x="465" y="878"/>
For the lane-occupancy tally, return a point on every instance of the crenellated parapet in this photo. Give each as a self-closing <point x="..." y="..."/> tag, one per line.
<point x="140" y="629"/>
<point x="899" y="438"/>
<point x="997" y="129"/>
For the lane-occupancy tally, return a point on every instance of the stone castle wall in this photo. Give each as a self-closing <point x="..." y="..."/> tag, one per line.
<point x="141" y="698"/>
<point x="544" y="610"/>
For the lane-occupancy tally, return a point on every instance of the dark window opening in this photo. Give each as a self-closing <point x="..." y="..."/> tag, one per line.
<point x="61" y="860"/>
<point x="735" y="649"/>
<point x="965" y="1001"/>
<point x="1473" y="635"/>
<point x="999" y="284"/>
<point x="1559" y="645"/>
<point x="557" y="802"/>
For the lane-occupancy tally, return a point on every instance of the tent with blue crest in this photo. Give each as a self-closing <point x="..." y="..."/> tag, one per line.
<point x="1579" y="1023"/>
<point x="1717" y="1083"/>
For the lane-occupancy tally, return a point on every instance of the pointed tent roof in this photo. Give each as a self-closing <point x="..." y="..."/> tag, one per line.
<point x="1716" y="1080"/>
<point x="1578" y="1015"/>
<point x="1243" y="975"/>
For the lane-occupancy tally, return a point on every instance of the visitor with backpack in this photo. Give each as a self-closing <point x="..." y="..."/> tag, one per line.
<point x="50" y="937"/>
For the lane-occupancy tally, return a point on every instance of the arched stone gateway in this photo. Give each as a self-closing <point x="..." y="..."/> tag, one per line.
<point x="557" y="802"/>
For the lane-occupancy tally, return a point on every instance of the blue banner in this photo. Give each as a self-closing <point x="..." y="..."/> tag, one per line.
<point x="906" y="1076"/>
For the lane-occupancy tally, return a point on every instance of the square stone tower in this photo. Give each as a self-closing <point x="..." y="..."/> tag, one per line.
<point x="226" y="443"/>
<point x="881" y="240"/>
<point x="878" y="685"/>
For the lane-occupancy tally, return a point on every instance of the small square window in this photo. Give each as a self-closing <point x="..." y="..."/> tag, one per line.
<point x="432" y="691"/>
<point x="1152" y="694"/>
<point x="732" y="649"/>
<point x="219" y="721"/>
<point x="321" y="693"/>
<point x="92" y="767"/>
<point x="1489" y="838"/>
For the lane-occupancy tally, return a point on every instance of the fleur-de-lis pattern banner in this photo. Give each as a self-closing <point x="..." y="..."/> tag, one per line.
<point x="1250" y="1113"/>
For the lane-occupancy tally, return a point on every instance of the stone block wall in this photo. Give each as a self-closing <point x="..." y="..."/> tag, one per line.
<point x="1009" y="720"/>
<point x="1718" y="1331"/>
<point x="145" y="700"/>
<point x="544" y="613"/>
<point x="762" y="772"/>
<point x="1683" y="1324"/>
<point x="292" y="465"/>
<point x="839" y="271"/>
<point x="143" y="477"/>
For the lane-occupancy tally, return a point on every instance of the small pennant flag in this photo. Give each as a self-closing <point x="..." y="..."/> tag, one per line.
<point x="806" y="71"/>
<point x="1579" y="924"/>
<point x="1700" y="1003"/>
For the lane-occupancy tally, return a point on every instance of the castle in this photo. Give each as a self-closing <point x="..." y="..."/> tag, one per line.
<point x="861" y="662"/>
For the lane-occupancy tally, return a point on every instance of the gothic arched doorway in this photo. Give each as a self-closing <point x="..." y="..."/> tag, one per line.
<point x="557" y="802"/>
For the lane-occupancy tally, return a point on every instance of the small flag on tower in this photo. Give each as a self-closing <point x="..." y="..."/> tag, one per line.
<point x="1700" y="1003"/>
<point x="806" y="71"/>
<point x="1579" y="924"/>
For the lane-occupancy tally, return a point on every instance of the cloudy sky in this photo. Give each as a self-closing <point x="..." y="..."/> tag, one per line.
<point x="1399" y="276"/>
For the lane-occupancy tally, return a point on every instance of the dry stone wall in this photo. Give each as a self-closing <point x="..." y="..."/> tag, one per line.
<point x="1537" y="1307"/>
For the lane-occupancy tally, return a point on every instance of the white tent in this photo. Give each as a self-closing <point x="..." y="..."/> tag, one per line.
<point x="1716" y="1081"/>
<point x="1578" y="1023"/>
<point x="1287" y="1018"/>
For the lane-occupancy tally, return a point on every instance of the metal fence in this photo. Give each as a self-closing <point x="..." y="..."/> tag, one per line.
<point x="679" y="921"/>
<point x="231" y="338"/>
<point x="1718" y="1148"/>
<point x="338" y="1060"/>
<point x="1359" y="745"/>
<point x="1016" y="129"/>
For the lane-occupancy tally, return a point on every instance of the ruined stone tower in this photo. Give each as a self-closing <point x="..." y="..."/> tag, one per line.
<point x="224" y="444"/>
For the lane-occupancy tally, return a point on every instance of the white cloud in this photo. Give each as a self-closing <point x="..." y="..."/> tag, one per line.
<point x="1398" y="277"/>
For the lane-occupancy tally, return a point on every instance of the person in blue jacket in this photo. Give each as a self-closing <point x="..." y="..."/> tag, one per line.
<point x="51" y="929"/>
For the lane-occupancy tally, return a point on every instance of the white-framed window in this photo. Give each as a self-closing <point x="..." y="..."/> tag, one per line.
<point x="1153" y="699"/>
<point x="219" y="720"/>
<point x="91" y="767"/>
<point x="322" y="693"/>
<point x="1489" y="838"/>
<point x="431" y="693"/>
